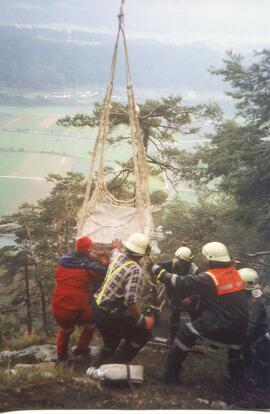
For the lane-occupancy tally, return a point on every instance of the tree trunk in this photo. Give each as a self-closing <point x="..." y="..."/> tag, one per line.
<point x="43" y="299"/>
<point x="43" y="308"/>
<point x="44" y="311"/>
<point x="29" y="322"/>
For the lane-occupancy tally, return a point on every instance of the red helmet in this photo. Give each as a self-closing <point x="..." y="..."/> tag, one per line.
<point x="83" y="244"/>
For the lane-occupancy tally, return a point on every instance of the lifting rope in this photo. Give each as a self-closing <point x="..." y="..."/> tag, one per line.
<point x="101" y="196"/>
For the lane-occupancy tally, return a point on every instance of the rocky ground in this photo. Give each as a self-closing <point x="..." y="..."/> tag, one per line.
<point x="67" y="387"/>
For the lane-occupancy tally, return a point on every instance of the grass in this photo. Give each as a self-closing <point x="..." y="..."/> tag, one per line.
<point x="26" y="121"/>
<point x="5" y="118"/>
<point x="15" y="377"/>
<point x="43" y="119"/>
<point x="201" y="386"/>
<point x="18" y="190"/>
<point x="75" y="147"/>
<point x="9" y="378"/>
<point x="44" y="110"/>
<point x="34" y="165"/>
<point x="25" y="341"/>
<point x="9" y="189"/>
<point x="22" y="342"/>
<point x="52" y="148"/>
<point x="8" y="160"/>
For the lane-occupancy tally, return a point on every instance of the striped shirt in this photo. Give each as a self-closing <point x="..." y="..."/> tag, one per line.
<point x="126" y="285"/>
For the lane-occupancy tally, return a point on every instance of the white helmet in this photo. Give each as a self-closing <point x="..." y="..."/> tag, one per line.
<point x="138" y="244"/>
<point x="250" y="277"/>
<point x="183" y="253"/>
<point x="216" y="252"/>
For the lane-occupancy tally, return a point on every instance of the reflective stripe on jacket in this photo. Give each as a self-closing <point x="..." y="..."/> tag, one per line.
<point x="227" y="280"/>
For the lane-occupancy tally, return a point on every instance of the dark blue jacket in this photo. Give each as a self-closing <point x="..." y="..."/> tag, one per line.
<point x="77" y="260"/>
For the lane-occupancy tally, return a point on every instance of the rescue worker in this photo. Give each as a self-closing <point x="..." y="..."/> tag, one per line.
<point x="71" y="297"/>
<point x="181" y="265"/>
<point x="224" y="316"/>
<point x="258" y="323"/>
<point x="256" y="350"/>
<point x="262" y="363"/>
<point x="116" y="310"/>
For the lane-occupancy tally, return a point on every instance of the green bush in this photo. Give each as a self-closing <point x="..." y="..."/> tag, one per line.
<point x="25" y="341"/>
<point x="9" y="327"/>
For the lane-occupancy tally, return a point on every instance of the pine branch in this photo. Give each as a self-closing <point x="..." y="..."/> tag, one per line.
<point x="162" y="164"/>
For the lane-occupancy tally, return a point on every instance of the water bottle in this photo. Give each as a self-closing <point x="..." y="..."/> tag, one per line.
<point x="95" y="373"/>
<point x="117" y="372"/>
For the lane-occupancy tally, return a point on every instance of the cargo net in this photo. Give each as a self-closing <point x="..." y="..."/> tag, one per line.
<point x="102" y="216"/>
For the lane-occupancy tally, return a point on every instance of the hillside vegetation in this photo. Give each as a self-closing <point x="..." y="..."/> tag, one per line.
<point x="153" y="65"/>
<point x="230" y="174"/>
<point x="67" y="387"/>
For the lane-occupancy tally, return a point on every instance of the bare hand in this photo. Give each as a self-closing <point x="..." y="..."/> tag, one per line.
<point x="117" y="244"/>
<point x="186" y="302"/>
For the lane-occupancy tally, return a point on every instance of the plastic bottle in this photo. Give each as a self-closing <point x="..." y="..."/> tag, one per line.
<point x="95" y="373"/>
<point x="117" y="372"/>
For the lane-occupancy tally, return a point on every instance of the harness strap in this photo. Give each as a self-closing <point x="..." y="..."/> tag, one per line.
<point x="110" y="275"/>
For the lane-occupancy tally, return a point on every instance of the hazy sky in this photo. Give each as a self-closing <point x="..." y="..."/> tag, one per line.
<point x="222" y="24"/>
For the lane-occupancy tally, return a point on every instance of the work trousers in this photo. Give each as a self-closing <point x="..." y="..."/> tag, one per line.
<point x="67" y="319"/>
<point x="186" y="338"/>
<point x="262" y="363"/>
<point x="115" y="329"/>
<point x="174" y="322"/>
<point x="174" y="301"/>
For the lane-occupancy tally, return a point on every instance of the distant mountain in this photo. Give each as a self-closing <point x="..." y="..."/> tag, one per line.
<point x="88" y="13"/>
<point x="39" y="58"/>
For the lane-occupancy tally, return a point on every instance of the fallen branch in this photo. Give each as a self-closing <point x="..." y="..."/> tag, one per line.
<point x="267" y="252"/>
<point x="6" y="310"/>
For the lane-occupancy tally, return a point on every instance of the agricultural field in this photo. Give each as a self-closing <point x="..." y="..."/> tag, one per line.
<point x="33" y="145"/>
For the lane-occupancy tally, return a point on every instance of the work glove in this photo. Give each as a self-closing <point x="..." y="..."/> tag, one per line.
<point x="157" y="271"/>
<point x="186" y="302"/>
<point x="146" y="322"/>
<point x="149" y="322"/>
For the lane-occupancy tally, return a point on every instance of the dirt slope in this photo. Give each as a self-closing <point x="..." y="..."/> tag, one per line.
<point x="202" y="388"/>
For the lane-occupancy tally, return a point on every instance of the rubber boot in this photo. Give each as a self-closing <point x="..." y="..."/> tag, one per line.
<point x="237" y="372"/>
<point x="173" y="365"/>
<point x="125" y="353"/>
<point x="103" y="357"/>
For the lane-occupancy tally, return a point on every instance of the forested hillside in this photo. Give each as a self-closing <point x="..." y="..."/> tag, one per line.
<point x="232" y="185"/>
<point x="226" y="171"/>
<point x="35" y="58"/>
